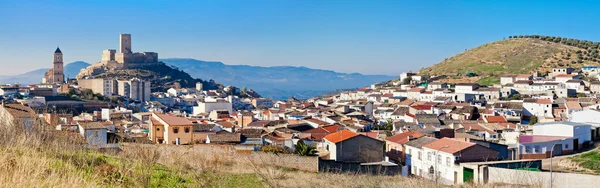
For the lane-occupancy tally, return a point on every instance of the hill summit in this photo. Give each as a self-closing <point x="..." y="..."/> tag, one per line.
<point x="126" y="64"/>
<point x="523" y="54"/>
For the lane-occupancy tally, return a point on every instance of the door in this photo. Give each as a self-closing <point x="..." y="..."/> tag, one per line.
<point x="575" y="144"/>
<point x="467" y="175"/>
<point x="557" y="150"/>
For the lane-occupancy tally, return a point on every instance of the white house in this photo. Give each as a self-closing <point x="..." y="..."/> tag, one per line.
<point x="542" y="108"/>
<point x="576" y="85"/>
<point x="415" y="156"/>
<point x="443" y="156"/>
<point x="94" y="133"/>
<point x="507" y="79"/>
<point x="563" y="78"/>
<point x="465" y="87"/>
<point x="210" y="104"/>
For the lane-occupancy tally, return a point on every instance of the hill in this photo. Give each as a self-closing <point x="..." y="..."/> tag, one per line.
<point x="516" y="55"/>
<point x="161" y="75"/>
<point x="277" y="82"/>
<point x="34" y="77"/>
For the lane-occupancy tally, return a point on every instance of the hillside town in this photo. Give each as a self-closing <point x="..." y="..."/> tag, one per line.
<point x="416" y="125"/>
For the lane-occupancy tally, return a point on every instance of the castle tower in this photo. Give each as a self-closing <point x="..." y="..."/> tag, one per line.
<point x="58" y="76"/>
<point x="125" y="45"/>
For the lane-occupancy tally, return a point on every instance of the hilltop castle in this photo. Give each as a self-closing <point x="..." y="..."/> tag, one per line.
<point x="125" y="59"/>
<point x="56" y="74"/>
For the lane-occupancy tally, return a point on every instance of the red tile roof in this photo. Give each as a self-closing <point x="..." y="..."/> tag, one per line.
<point x="496" y="119"/>
<point x="332" y="128"/>
<point x="544" y="101"/>
<point x="449" y="145"/>
<point x="174" y="120"/>
<point x="370" y="134"/>
<point x="403" y="137"/>
<point x="340" y="136"/>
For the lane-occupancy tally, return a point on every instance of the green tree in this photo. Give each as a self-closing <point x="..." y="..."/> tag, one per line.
<point x="304" y="149"/>
<point x="407" y="80"/>
<point x="533" y="120"/>
<point x="515" y="97"/>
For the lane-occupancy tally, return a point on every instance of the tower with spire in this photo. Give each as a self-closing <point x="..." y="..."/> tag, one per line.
<point x="56" y="74"/>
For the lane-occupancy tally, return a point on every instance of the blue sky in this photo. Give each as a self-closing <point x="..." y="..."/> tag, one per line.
<point x="369" y="37"/>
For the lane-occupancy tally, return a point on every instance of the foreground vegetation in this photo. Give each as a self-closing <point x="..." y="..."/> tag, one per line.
<point x="588" y="162"/>
<point x="46" y="158"/>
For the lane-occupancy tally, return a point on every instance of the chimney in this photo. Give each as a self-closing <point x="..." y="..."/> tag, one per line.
<point x="410" y="138"/>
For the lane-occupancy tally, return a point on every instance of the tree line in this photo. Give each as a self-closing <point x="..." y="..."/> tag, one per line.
<point x="586" y="44"/>
<point x="590" y="50"/>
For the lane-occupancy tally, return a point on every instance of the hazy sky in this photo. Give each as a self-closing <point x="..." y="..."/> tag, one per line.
<point x="369" y="37"/>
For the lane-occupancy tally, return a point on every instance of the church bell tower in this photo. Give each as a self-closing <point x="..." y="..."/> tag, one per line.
<point x="58" y="76"/>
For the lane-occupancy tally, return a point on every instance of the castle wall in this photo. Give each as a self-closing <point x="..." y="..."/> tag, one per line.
<point x="108" y="55"/>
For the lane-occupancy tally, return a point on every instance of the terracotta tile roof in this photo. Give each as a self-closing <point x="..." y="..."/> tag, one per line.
<point x="19" y="110"/>
<point x="332" y="128"/>
<point x="524" y="75"/>
<point x="449" y="145"/>
<point x="370" y="134"/>
<point x="476" y="127"/>
<point x="225" y="138"/>
<point x="174" y="120"/>
<point x="421" y="107"/>
<point x="496" y="119"/>
<point x="340" y="136"/>
<point x="92" y="125"/>
<point x="226" y="124"/>
<point x="420" y="142"/>
<point x="406" y="102"/>
<point x="403" y="137"/>
<point x="544" y="101"/>
<point x="573" y="105"/>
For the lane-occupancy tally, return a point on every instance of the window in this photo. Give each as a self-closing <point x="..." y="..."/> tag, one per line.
<point x="327" y="147"/>
<point x="429" y="156"/>
<point x="419" y="155"/>
<point x="447" y="161"/>
<point x="186" y="130"/>
<point x="157" y="129"/>
<point x="537" y="149"/>
<point x="95" y="133"/>
<point x="527" y="149"/>
<point x="175" y="130"/>
<point x="439" y="159"/>
<point x="566" y="146"/>
<point x="409" y="151"/>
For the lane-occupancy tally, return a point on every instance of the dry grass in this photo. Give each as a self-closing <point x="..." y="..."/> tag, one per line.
<point x="45" y="158"/>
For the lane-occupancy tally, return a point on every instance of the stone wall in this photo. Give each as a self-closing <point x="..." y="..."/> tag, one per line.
<point x="522" y="177"/>
<point x="357" y="168"/>
<point x="285" y="160"/>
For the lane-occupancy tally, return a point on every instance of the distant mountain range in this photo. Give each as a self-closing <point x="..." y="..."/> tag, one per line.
<point x="277" y="82"/>
<point x="34" y="77"/>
